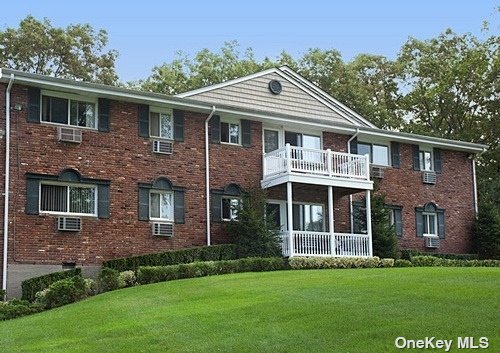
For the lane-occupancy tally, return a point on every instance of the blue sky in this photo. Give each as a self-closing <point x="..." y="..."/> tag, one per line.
<point x="147" y="33"/>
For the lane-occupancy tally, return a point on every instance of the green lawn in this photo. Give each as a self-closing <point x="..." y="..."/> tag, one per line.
<point x="358" y="310"/>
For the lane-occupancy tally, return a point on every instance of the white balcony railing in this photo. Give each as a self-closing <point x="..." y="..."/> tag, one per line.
<point x="292" y="159"/>
<point x="324" y="244"/>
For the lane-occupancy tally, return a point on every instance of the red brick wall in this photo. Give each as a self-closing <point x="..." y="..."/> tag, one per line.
<point x="453" y="192"/>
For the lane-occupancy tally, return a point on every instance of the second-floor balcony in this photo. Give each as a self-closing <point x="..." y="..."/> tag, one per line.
<point x="312" y="166"/>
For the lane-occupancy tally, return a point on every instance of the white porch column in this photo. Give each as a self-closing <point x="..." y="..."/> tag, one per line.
<point x="331" y="220"/>
<point x="289" y="208"/>
<point x="369" y="221"/>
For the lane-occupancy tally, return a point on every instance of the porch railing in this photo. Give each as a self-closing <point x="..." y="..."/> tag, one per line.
<point x="290" y="159"/>
<point x="324" y="244"/>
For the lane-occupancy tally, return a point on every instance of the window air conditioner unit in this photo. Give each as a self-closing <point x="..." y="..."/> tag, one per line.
<point x="69" y="224"/>
<point x="429" y="177"/>
<point x="163" y="229"/>
<point x="69" y="134"/>
<point x="164" y="147"/>
<point x="432" y="242"/>
<point x="377" y="172"/>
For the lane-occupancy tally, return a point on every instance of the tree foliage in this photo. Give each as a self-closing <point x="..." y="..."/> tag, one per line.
<point x="487" y="231"/>
<point x="75" y="52"/>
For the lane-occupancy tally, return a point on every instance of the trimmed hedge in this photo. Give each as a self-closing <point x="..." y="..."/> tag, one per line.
<point x="153" y="274"/>
<point x="64" y="291"/>
<point x="409" y="253"/>
<point x="306" y="263"/>
<point x="174" y="257"/>
<point x="33" y="285"/>
<point x="436" y="261"/>
<point x="17" y="308"/>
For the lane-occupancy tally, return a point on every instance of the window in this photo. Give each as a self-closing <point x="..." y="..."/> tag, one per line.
<point x="425" y="160"/>
<point x="359" y="217"/>
<point x="230" y="206"/>
<point x="68" y="199"/>
<point x="396" y="218"/>
<point x="161" y="125"/>
<point x="67" y="111"/>
<point x="161" y="205"/>
<point x="379" y="154"/>
<point x="230" y="133"/>
<point x="271" y="140"/>
<point x="430" y="224"/>
<point x="303" y="140"/>
<point x="308" y="217"/>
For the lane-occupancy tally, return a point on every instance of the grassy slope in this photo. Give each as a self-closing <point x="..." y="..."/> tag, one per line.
<point x="299" y="311"/>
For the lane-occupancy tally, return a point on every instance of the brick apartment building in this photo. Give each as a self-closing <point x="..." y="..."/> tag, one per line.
<point x="97" y="172"/>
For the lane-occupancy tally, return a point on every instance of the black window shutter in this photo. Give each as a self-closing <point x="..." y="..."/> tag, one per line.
<point x="32" y="192"/>
<point x="178" y="125"/>
<point x="33" y="105"/>
<point x="215" y="129"/>
<point x="354" y="146"/>
<point x="216" y="207"/>
<point x="395" y="154"/>
<point x="103" y="201"/>
<point x="416" y="157"/>
<point x="419" y="217"/>
<point x="246" y="133"/>
<point x="143" y="204"/>
<point x="438" y="160"/>
<point x="398" y="221"/>
<point x="103" y="115"/>
<point x="143" y="120"/>
<point x="441" y="227"/>
<point x="179" y="206"/>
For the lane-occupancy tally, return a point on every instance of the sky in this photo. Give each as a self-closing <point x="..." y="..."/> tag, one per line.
<point x="147" y="33"/>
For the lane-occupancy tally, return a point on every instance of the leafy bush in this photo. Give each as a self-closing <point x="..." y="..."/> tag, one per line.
<point x="91" y="287"/>
<point x="109" y="279"/>
<point x="487" y="231"/>
<point x="386" y="263"/>
<point x="64" y="291"/>
<point x="402" y="263"/>
<point x="305" y="263"/>
<point x="435" y="261"/>
<point x="174" y="257"/>
<point x="127" y="278"/>
<point x="16" y="308"/>
<point x="153" y="274"/>
<point x="254" y="234"/>
<point x="33" y="285"/>
<point x="407" y="254"/>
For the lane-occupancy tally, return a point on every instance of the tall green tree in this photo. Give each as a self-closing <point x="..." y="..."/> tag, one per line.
<point x="75" y="52"/>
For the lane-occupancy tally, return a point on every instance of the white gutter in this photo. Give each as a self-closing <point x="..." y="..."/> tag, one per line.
<point x="207" y="174"/>
<point x="474" y="181"/>
<point x="7" y="179"/>
<point x="350" y="195"/>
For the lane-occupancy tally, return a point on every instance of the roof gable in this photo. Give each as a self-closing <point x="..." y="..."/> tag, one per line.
<point x="298" y="97"/>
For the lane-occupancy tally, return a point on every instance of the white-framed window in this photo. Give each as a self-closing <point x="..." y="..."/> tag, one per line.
<point x="426" y="161"/>
<point x="161" y="205"/>
<point x="230" y="132"/>
<point x="430" y="224"/>
<point x="271" y="140"/>
<point x="68" y="199"/>
<point x="308" y="217"/>
<point x="379" y="154"/>
<point x="161" y="124"/>
<point x="68" y="109"/>
<point x="229" y="208"/>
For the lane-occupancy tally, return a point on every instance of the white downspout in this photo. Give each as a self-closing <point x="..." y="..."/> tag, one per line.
<point x="7" y="179"/>
<point x="350" y="195"/>
<point x="207" y="174"/>
<point x="474" y="180"/>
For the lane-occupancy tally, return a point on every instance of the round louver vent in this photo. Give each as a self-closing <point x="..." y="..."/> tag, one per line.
<point x="275" y="86"/>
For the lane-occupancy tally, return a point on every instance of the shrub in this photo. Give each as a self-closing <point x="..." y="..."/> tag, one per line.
<point x="108" y="280"/>
<point x="91" y="287"/>
<point x="402" y="263"/>
<point x="153" y="274"/>
<point x="16" y="308"/>
<point x="386" y="263"/>
<point x="305" y="263"/>
<point x="384" y="236"/>
<point x="174" y="257"/>
<point x="426" y="261"/>
<point x="33" y="285"/>
<point x="407" y="254"/>
<point x="64" y="291"/>
<point x="254" y="234"/>
<point x="487" y="231"/>
<point x="127" y="278"/>
<point x="435" y="261"/>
